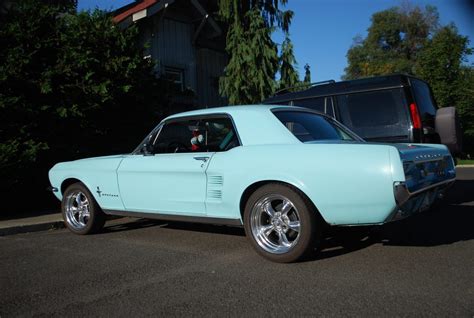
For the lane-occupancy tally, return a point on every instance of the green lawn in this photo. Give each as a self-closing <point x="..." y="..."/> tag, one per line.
<point x="465" y="162"/>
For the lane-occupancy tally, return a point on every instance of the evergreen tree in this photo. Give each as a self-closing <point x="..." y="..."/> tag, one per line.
<point x="250" y="74"/>
<point x="307" y="74"/>
<point x="236" y="10"/>
<point x="288" y="74"/>
<point x="253" y="57"/>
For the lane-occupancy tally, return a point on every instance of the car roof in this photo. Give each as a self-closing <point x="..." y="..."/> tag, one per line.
<point x="255" y="124"/>
<point x="225" y="110"/>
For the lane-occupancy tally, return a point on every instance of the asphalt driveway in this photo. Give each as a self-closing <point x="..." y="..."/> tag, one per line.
<point x="421" y="266"/>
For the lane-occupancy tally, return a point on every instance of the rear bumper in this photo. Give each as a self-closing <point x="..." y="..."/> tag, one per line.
<point x="409" y="203"/>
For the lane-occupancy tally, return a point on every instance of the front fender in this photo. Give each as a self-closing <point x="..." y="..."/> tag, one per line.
<point x="99" y="175"/>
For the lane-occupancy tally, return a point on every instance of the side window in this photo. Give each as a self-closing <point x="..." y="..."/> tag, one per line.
<point x="320" y="104"/>
<point x="196" y="135"/>
<point x="317" y="104"/>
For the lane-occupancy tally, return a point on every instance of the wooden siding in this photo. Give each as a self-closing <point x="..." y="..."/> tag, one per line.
<point x="171" y="45"/>
<point x="210" y="66"/>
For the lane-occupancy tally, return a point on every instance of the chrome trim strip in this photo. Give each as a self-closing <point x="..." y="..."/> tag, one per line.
<point x="431" y="186"/>
<point x="178" y="218"/>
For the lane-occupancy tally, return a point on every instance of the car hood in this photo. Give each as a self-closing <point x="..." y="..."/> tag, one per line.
<point x="102" y="158"/>
<point x="103" y="162"/>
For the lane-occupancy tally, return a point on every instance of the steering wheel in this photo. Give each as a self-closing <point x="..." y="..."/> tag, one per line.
<point x="177" y="146"/>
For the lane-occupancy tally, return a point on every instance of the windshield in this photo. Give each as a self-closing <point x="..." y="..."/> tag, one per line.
<point x="308" y="126"/>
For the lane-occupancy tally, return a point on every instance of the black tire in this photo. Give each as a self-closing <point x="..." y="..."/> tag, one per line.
<point x="92" y="223"/>
<point x="448" y="127"/>
<point x="303" y="244"/>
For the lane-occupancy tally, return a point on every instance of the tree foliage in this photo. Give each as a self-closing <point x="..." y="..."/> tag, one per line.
<point x="253" y="56"/>
<point x="307" y="74"/>
<point x="250" y="73"/>
<point x="441" y="65"/>
<point x="273" y="16"/>
<point x="288" y="74"/>
<point x="71" y="85"/>
<point x="410" y="40"/>
<point x="395" y="39"/>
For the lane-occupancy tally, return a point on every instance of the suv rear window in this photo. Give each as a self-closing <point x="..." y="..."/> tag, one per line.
<point x="307" y="126"/>
<point x="376" y="114"/>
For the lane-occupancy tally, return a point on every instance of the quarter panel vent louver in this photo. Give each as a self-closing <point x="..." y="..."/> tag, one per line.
<point x="214" y="188"/>
<point x="216" y="180"/>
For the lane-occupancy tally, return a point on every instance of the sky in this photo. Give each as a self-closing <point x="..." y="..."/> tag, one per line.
<point x="322" y="30"/>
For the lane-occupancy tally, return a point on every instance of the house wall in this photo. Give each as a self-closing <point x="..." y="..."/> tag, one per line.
<point x="210" y="66"/>
<point x="171" y="44"/>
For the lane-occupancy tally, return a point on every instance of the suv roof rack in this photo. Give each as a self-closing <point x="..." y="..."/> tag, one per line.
<point x="304" y="86"/>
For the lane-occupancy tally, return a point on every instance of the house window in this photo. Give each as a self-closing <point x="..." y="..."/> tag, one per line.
<point x="175" y="76"/>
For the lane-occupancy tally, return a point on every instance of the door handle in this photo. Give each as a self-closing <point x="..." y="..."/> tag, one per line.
<point x="204" y="159"/>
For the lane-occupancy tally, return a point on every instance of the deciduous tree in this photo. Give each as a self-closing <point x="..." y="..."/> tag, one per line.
<point x="395" y="38"/>
<point x="71" y="85"/>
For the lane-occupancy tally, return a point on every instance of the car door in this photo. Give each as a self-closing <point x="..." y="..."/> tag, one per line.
<point x="170" y="178"/>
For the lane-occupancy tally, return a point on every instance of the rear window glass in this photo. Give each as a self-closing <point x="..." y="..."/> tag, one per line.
<point x="376" y="114"/>
<point x="308" y="126"/>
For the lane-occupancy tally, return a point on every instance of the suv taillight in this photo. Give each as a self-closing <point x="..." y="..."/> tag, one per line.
<point x="415" y="116"/>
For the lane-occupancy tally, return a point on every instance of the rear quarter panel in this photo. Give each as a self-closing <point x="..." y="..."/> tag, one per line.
<point x="348" y="183"/>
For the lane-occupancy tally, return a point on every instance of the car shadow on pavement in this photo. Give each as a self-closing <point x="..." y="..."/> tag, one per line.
<point x="133" y="224"/>
<point x="450" y="222"/>
<point x="446" y="224"/>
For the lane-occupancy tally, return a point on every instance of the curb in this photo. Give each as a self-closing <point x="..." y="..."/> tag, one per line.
<point x="32" y="228"/>
<point x="465" y="166"/>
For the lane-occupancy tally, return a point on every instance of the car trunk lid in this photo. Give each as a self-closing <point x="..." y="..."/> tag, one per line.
<point x="425" y="166"/>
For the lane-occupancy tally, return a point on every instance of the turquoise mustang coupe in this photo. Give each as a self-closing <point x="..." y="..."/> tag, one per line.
<point x="281" y="172"/>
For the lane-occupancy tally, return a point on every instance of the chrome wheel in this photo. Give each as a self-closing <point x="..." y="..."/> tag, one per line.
<point x="275" y="223"/>
<point x="77" y="210"/>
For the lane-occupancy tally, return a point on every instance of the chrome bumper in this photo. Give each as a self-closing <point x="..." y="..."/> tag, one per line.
<point x="409" y="203"/>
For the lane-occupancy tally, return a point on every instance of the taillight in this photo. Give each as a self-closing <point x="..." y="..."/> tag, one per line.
<point x="415" y="116"/>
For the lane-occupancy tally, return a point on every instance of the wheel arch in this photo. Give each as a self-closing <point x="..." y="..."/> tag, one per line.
<point x="67" y="182"/>
<point x="254" y="186"/>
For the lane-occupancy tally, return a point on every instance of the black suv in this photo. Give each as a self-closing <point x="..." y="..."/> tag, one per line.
<point x="393" y="108"/>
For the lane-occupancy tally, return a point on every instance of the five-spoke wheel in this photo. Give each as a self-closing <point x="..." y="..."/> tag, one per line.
<point x="281" y="223"/>
<point x="77" y="210"/>
<point x="80" y="211"/>
<point x="275" y="223"/>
